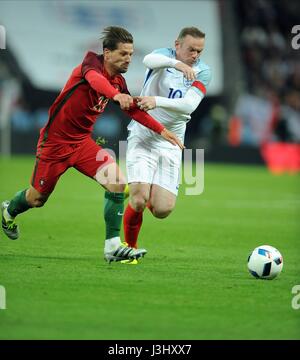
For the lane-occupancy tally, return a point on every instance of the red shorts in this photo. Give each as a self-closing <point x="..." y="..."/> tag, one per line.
<point x="54" y="159"/>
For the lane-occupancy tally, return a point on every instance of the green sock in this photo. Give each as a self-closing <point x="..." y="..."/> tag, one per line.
<point x="113" y="213"/>
<point x="18" y="204"/>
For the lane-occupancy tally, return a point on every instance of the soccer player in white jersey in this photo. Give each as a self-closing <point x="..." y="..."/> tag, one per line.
<point x="175" y="83"/>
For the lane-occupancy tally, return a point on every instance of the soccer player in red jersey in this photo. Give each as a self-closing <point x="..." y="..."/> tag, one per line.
<point x="65" y="141"/>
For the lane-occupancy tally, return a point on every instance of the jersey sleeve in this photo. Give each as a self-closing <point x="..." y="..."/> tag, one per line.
<point x="100" y="84"/>
<point x="185" y="105"/>
<point x="163" y="51"/>
<point x="160" y="58"/>
<point x="202" y="81"/>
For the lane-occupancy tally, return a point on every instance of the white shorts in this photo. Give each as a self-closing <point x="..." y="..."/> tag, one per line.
<point x="153" y="166"/>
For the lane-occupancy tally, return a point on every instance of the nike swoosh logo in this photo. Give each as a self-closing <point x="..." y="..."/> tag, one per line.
<point x="170" y="71"/>
<point x="120" y="214"/>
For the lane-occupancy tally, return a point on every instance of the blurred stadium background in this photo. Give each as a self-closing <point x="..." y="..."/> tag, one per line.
<point x="253" y="99"/>
<point x="250" y="117"/>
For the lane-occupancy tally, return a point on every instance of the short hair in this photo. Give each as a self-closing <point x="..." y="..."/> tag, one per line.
<point x="193" y="31"/>
<point x="112" y="35"/>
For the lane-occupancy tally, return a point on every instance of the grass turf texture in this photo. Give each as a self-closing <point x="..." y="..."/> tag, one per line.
<point x="193" y="284"/>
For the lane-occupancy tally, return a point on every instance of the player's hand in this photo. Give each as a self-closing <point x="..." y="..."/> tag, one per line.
<point x="124" y="100"/>
<point x="187" y="71"/>
<point x="146" y="102"/>
<point x="172" y="138"/>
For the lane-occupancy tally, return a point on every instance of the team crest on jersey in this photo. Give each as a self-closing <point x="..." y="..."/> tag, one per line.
<point x="102" y="102"/>
<point x="186" y="82"/>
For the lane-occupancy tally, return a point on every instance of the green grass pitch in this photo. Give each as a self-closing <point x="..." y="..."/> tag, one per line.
<point x="193" y="283"/>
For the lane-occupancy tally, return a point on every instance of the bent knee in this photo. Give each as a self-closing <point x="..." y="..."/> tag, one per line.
<point x="161" y="213"/>
<point x="138" y="202"/>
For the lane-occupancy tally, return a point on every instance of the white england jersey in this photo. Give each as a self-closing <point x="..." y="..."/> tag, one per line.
<point x="169" y="83"/>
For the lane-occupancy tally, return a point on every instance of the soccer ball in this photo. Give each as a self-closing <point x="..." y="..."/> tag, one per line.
<point x="265" y="262"/>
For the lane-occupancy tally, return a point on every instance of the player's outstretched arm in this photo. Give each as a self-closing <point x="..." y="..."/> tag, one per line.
<point x="157" y="61"/>
<point x="172" y="138"/>
<point x="125" y="101"/>
<point x="185" y="105"/>
<point x="99" y="83"/>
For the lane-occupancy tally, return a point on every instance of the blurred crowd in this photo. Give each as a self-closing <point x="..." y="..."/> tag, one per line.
<point x="271" y="96"/>
<point x="273" y="67"/>
<point x="271" y="64"/>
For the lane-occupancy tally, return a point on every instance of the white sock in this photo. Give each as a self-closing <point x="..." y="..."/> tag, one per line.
<point x="112" y="244"/>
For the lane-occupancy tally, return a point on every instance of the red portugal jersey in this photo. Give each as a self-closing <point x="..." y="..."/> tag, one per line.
<point x="74" y="120"/>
